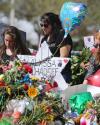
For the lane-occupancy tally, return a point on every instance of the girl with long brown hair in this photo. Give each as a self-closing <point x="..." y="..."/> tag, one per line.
<point x="12" y="44"/>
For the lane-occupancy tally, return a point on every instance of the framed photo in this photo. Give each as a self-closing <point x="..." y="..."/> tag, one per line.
<point x="89" y="41"/>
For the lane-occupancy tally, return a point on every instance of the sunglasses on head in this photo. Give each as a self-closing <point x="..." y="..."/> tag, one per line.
<point x="44" y="25"/>
<point x="97" y="45"/>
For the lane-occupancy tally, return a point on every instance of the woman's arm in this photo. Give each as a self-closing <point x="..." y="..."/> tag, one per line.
<point x="64" y="51"/>
<point x="66" y="46"/>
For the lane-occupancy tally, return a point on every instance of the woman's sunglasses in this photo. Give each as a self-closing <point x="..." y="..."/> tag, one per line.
<point x="44" y="25"/>
<point x="97" y="45"/>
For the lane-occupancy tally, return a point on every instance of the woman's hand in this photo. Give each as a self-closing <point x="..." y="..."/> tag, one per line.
<point x="85" y="65"/>
<point x="85" y="81"/>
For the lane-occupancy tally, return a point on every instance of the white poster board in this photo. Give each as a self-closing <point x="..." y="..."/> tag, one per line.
<point x="48" y="69"/>
<point x="62" y="85"/>
<point x="89" y="41"/>
<point x="27" y="59"/>
<point x="43" y="52"/>
<point x="51" y="70"/>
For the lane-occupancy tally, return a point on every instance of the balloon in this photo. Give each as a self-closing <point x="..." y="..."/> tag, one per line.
<point x="94" y="79"/>
<point x="71" y="15"/>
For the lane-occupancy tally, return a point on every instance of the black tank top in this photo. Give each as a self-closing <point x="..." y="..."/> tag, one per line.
<point x="58" y="40"/>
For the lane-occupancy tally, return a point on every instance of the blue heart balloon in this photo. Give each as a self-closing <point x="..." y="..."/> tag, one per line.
<point x="71" y="15"/>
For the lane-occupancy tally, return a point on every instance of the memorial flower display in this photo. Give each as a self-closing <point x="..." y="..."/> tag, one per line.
<point x="25" y="99"/>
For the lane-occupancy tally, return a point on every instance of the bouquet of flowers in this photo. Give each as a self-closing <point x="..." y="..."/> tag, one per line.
<point x="25" y="99"/>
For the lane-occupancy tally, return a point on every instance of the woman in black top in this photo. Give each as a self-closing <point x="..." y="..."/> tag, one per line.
<point x="54" y="36"/>
<point x="12" y="45"/>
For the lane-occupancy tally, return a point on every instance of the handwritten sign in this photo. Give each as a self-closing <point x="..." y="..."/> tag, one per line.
<point x="89" y="41"/>
<point x="49" y="68"/>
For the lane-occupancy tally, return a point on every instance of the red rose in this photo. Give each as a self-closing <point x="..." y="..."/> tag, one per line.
<point x="25" y="87"/>
<point x="50" y="86"/>
<point x="2" y="83"/>
<point x="27" y="68"/>
<point x="55" y="84"/>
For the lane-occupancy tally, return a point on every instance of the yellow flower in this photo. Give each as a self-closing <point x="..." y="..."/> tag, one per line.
<point x="34" y="78"/>
<point x="32" y="92"/>
<point x="50" y="117"/>
<point x="8" y="89"/>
